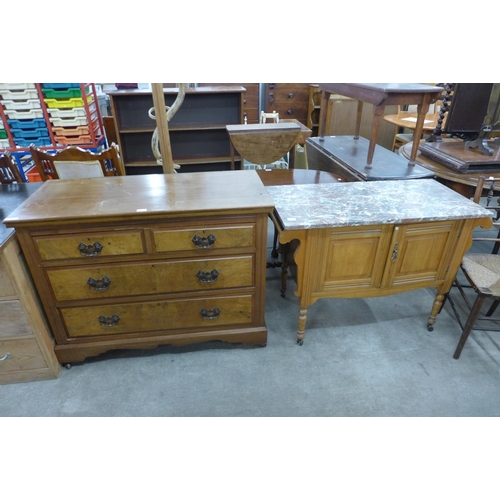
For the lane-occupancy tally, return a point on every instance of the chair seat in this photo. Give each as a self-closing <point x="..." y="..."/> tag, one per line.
<point x="484" y="271"/>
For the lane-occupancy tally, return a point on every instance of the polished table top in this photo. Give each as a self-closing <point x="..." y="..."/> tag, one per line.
<point x="383" y="93"/>
<point x="409" y="120"/>
<point x="281" y="177"/>
<point x="370" y="203"/>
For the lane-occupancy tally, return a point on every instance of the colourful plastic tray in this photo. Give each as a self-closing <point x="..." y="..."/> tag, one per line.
<point x="60" y="85"/>
<point x="24" y="114"/>
<point x="74" y="102"/>
<point x="67" y="113"/>
<point x="3" y="134"/>
<point x="81" y="139"/>
<point x="27" y="124"/>
<point x="20" y="105"/>
<point x="62" y="94"/>
<point x="19" y="94"/>
<point x="4" y="143"/>
<point x="70" y="132"/>
<point x="16" y="86"/>
<point x="25" y="143"/>
<point x="69" y="122"/>
<point x="30" y="134"/>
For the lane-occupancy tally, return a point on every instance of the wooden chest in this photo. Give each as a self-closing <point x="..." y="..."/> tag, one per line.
<point x="290" y="100"/>
<point x="139" y="261"/>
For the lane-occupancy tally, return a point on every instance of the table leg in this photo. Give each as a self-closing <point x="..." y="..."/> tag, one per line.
<point x="325" y="96"/>
<point x="378" y="111"/>
<point x="302" y="325"/>
<point x="422" y="110"/>
<point x="291" y="157"/>
<point x="436" y="307"/>
<point x="358" y="119"/>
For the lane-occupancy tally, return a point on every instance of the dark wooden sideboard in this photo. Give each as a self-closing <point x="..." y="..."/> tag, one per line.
<point x="198" y="135"/>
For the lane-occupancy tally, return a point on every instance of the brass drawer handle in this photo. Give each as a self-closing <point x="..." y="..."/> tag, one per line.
<point x="102" y="284"/>
<point x="394" y="256"/>
<point x="7" y="356"/>
<point x="208" y="276"/>
<point x="90" y="250"/>
<point x="109" y="320"/>
<point x="289" y="112"/>
<point x="290" y="95"/>
<point x="210" y="313"/>
<point x="271" y="97"/>
<point x="202" y="242"/>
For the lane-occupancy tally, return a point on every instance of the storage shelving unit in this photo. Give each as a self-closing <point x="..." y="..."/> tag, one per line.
<point x="198" y="135"/>
<point x="49" y="115"/>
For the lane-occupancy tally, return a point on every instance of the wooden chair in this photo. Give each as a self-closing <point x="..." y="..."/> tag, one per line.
<point x="9" y="173"/>
<point x="482" y="271"/>
<point x="77" y="163"/>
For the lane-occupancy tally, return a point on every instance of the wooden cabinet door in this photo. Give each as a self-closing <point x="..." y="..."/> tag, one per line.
<point x="419" y="253"/>
<point x="353" y="260"/>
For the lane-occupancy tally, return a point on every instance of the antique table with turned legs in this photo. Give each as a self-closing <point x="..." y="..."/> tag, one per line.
<point x="360" y="240"/>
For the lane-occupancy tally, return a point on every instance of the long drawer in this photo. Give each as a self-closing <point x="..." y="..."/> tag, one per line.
<point x="174" y="240"/>
<point x="158" y="316"/>
<point x="83" y="246"/>
<point x="154" y="277"/>
<point x="13" y="319"/>
<point x="20" y="354"/>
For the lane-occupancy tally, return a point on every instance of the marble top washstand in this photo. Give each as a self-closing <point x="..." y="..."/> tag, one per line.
<point x="378" y="202"/>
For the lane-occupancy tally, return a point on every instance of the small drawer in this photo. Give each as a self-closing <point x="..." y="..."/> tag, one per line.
<point x="152" y="278"/>
<point x="22" y="354"/>
<point x="88" y="246"/>
<point x="150" y="317"/>
<point x="6" y="287"/>
<point x="14" y="320"/>
<point x="215" y="238"/>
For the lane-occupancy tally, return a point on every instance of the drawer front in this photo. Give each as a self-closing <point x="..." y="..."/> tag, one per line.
<point x="291" y="94"/>
<point x="158" y="316"/>
<point x="88" y="245"/>
<point x="6" y="287"/>
<point x="14" y="320"/>
<point x="154" y="277"/>
<point x="22" y="354"/>
<point x="204" y="238"/>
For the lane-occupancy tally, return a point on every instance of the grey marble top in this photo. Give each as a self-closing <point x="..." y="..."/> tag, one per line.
<point x="370" y="203"/>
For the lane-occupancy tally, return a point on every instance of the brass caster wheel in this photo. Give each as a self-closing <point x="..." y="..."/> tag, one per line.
<point x="430" y="328"/>
<point x="300" y="341"/>
<point x="67" y="366"/>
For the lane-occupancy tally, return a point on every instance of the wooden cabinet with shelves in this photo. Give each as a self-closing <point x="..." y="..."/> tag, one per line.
<point x="148" y="260"/>
<point x="290" y="100"/>
<point x="251" y="102"/>
<point x="314" y="108"/>
<point x="198" y="136"/>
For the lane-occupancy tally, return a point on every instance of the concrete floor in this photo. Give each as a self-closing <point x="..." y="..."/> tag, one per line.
<point x="361" y="357"/>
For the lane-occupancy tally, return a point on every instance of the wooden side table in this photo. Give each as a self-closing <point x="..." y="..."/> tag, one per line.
<point x="381" y="95"/>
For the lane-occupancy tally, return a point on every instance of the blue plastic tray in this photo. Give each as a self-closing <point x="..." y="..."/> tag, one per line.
<point x="27" y="134"/>
<point x="24" y="143"/>
<point x="60" y="85"/>
<point x="27" y="124"/>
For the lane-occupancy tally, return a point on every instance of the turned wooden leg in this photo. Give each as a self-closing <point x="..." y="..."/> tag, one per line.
<point x="436" y="307"/>
<point x="302" y="325"/>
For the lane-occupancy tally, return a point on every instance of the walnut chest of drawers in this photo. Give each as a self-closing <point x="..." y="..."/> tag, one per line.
<point x="26" y="344"/>
<point x="139" y="261"/>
